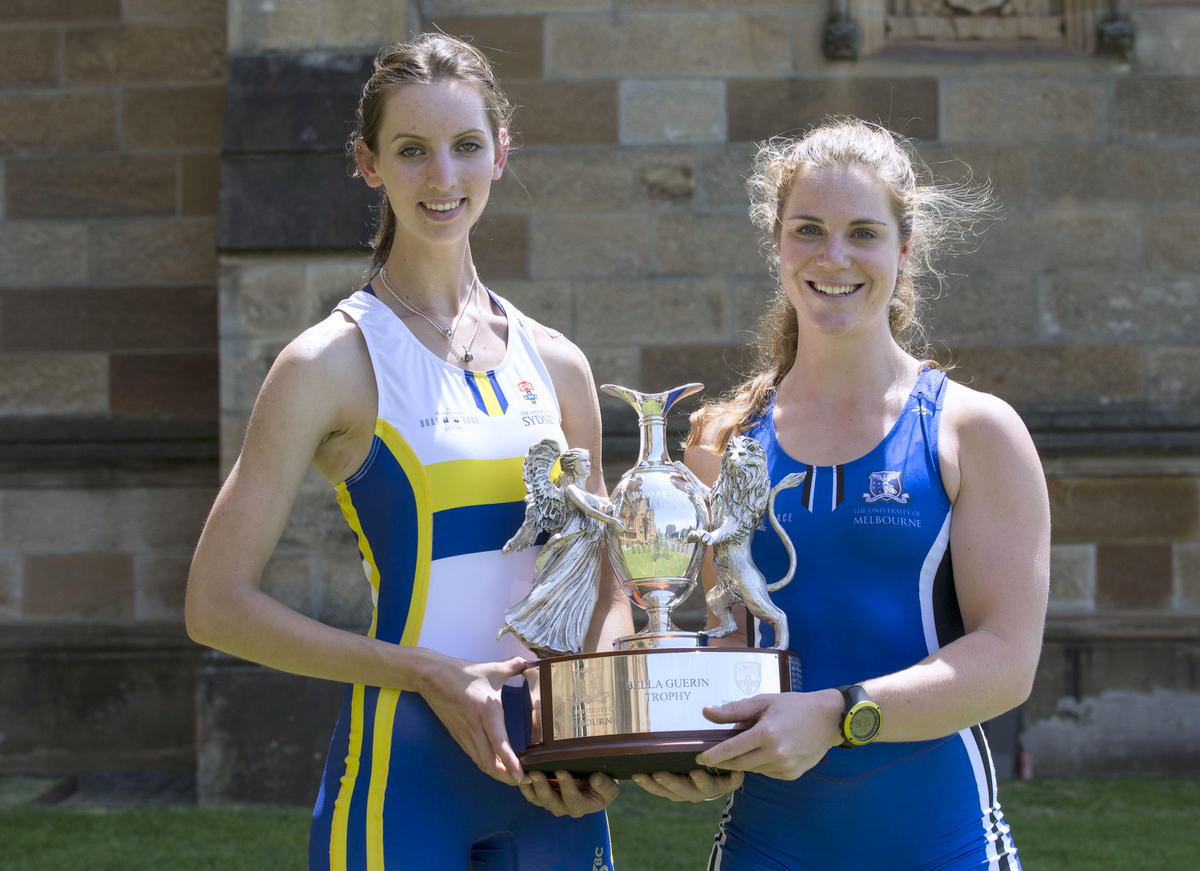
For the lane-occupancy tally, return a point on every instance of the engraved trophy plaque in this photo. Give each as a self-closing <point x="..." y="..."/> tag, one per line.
<point x="639" y="707"/>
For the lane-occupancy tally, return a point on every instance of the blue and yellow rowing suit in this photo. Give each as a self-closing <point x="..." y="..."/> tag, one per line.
<point x="435" y="500"/>
<point x="873" y="594"/>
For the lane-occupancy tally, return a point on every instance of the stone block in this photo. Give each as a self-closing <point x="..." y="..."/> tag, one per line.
<point x="657" y="111"/>
<point x="1171" y="375"/>
<point x="199" y="185"/>
<point x="1149" y="174"/>
<point x="28" y="58"/>
<point x="513" y="43"/>
<point x="62" y="122"/>
<point x="330" y="280"/>
<point x="59" y="11"/>
<point x="1072" y="578"/>
<point x="316" y="526"/>
<point x="108" y="319"/>
<point x="1157" y="107"/>
<point x="92" y="586"/>
<point x="91" y="187"/>
<point x="1168" y="40"/>
<point x="290" y="582"/>
<point x="717" y="367"/>
<point x="762" y="108"/>
<point x="751" y="299"/>
<point x="1118" y="733"/>
<point x="42" y="254"/>
<point x="300" y="102"/>
<point x="289" y="25"/>
<point x="1133" y="576"/>
<point x="1123" y="510"/>
<point x="161" y="384"/>
<point x="1054" y="239"/>
<point x="1187" y="576"/>
<point x="662" y="44"/>
<point x="10" y="589"/>
<point x="293" y="202"/>
<point x="984" y="307"/>
<point x="1133" y="307"/>
<point x="721" y="173"/>
<point x="351" y="23"/>
<point x="1172" y="240"/>
<point x="162" y="10"/>
<point x="149" y="53"/>
<point x="104" y="520"/>
<point x="568" y="246"/>
<point x="163" y="118"/>
<point x="664" y="311"/>
<point x="547" y="179"/>
<point x="1022" y="373"/>
<point x="269" y="300"/>
<point x="564" y="113"/>
<point x="345" y="595"/>
<point x="1022" y="108"/>
<point x="153" y="252"/>
<point x="500" y="247"/>
<point x="432" y="9"/>
<point x="244" y="367"/>
<point x="77" y="697"/>
<point x="159" y="585"/>
<point x="262" y="735"/>
<point x="1004" y="167"/>
<point x="707" y="244"/>
<point x="54" y="384"/>
<point x="550" y="303"/>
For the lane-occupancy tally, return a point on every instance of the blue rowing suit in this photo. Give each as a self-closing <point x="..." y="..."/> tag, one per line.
<point x="873" y="594"/>
<point x="437" y="497"/>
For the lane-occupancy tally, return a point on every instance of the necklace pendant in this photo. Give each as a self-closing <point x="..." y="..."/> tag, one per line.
<point x="446" y="332"/>
<point x="468" y="356"/>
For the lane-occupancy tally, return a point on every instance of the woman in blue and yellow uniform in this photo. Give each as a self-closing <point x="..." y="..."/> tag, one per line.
<point x="922" y="528"/>
<point x="417" y="399"/>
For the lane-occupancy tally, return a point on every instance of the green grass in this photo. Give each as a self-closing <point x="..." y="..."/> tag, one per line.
<point x="1059" y="825"/>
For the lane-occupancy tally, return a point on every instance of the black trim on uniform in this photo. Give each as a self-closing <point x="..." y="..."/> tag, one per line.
<point x="839" y="485"/>
<point x="806" y="495"/>
<point x="947" y="618"/>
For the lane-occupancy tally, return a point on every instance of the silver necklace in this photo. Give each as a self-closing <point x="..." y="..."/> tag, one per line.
<point x="447" y="332"/>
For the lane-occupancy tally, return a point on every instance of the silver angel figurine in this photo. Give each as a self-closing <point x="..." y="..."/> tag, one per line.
<point x="739" y="498"/>
<point x="554" y="617"/>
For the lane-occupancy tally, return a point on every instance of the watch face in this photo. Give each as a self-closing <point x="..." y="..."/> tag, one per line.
<point x="864" y="723"/>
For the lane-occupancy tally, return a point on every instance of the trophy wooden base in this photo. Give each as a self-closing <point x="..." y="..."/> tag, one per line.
<point x="629" y="712"/>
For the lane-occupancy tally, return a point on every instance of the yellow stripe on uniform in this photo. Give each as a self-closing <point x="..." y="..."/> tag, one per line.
<point x="458" y="483"/>
<point x="341" y="808"/>
<point x="364" y="546"/>
<point x="381" y="753"/>
<point x="484" y="384"/>
<point x="416" y="473"/>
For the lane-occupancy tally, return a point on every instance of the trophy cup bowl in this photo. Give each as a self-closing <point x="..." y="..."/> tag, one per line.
<point x="639" y="708"/>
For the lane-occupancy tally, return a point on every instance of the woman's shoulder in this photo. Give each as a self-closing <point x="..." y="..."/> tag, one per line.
<point x="981" y="435"/>
<point x="973" y="412"/>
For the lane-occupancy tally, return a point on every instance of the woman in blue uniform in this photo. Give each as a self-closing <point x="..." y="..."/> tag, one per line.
<point x="922" y="527"/>
<point x="417" y="399"/>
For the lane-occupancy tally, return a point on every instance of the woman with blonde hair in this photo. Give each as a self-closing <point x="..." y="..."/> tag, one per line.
<point x="922" y="527"/>
<point x="417" y="399"/>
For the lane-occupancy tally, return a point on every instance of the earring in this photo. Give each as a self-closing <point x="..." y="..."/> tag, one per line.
<point x="899" y="271"/>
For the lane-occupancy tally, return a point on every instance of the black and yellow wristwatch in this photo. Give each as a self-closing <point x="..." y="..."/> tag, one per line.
<point x="861" y="719"/>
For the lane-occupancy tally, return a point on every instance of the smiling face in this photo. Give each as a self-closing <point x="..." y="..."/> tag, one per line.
<point x="840" y="249"/>
<point x="436" y="157"/>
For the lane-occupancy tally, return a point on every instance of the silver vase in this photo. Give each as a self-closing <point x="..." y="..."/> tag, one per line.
<point x="662" y="507"/>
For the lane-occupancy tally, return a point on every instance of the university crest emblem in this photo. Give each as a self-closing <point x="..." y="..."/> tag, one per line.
<point x="526" y="388"/>
<point x="885" y="487"/>
<point x="748" y="677"/>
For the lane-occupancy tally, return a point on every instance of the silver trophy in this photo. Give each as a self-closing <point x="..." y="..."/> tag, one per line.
<point x="639" y="707"/>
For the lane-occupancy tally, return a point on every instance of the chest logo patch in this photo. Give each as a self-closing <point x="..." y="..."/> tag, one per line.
<point x="885" y="486"/>
<point x="527" y="390"/>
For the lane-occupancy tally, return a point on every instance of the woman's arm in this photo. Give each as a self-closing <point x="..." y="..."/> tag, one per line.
<point x="1000" y="545"/>
<point x="319" y="401"/>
